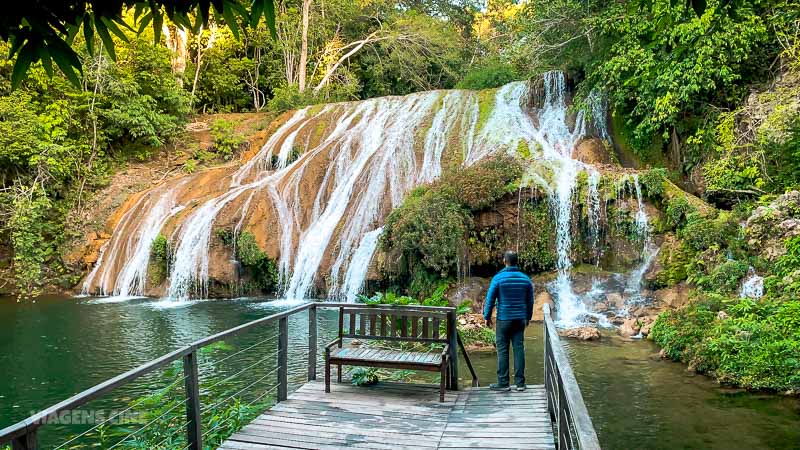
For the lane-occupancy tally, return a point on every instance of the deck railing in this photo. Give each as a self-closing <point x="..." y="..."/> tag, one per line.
<point x="573" y="426"/>
<point x="24" y="435"/>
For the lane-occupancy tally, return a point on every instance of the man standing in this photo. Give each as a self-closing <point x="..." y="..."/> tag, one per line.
<point x="512" y="292"/>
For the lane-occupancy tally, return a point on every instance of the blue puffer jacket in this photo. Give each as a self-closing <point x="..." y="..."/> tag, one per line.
<point x="512" y="292"/>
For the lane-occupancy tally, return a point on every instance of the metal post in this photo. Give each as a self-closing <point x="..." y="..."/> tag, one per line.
<point x="453" y="341"/>
<point x="312" y="343"/>
<point x="194" y="435"/>
<point x="283" y="353"/>
<point x="27" y="441"/>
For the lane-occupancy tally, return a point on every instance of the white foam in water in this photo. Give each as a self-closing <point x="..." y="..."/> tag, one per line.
<point x="753" y="286"/>
<point x="593" y="201"/>
<point x="359" y="264"/>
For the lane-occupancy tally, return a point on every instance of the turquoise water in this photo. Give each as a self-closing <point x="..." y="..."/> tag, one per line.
<point x="55" y="348"/>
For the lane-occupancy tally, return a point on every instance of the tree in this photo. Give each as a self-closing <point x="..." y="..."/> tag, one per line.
<point x="42" y="30"/>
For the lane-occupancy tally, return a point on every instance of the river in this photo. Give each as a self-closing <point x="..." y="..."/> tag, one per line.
<point x="56" y="347"/>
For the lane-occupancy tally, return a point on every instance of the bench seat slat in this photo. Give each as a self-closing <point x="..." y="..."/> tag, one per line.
<point x="391" y="356"/>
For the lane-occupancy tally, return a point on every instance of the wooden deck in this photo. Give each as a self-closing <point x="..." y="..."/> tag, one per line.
<point x="400" y="416"/>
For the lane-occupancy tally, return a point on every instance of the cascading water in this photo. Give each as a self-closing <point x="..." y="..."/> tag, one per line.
<point x="753" y="285"/>
<point x="137" y="236"/>
<point x="593" y="201"/>
<point x="633" y="289"/>
<point x="327" y="177"/>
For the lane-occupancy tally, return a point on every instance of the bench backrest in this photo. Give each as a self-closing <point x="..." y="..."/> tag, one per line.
<point x="393" y="324"/>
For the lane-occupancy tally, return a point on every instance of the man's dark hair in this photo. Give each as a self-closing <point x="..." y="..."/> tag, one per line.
<point x="510" y="258"/>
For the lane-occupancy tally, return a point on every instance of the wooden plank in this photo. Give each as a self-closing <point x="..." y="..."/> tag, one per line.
<point x="436" y="324"/>
<point x="400" y="415"/>
<point x="362" y="324"/>
<point x="372" y="324"/>
<point x="384" y="319"/>
<point x="414" y="327"/>
<point x="425" y="327"/>
<point x="353" y="329"/>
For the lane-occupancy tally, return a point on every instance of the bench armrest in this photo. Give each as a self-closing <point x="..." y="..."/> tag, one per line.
<point x="336" y="341"/>
<point x="445" y="351"/>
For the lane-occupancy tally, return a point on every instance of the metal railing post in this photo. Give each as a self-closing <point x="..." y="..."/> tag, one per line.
<point x="283" y="358"/>
<point x="312" y="343"/>
<point x="194" y="435"/>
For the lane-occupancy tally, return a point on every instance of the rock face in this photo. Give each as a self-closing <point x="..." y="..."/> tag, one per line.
<point x="674" y="297"/>
<point x="769" y="226"/>
<point x="581" y="333"/>
<point x="592" y="151"/>
<point x="472" y="289"/>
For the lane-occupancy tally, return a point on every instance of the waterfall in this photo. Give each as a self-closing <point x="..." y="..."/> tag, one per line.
<point x="320" y="187"/>
<point x="593" y="202"/>
<point x="598" y="107"/>
<point x="138" y="227"/>
<point x="359" y="264"/>
<point x="633" y="288"/>
<point x="753" y="286"/>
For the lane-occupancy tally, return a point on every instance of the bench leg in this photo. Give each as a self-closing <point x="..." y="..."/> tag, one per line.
<point x="327" y="375"/>
<point x="442" y="381"/>
<point x="339" y="373"/>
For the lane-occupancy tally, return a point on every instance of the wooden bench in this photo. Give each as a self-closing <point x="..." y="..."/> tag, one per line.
<point x="392" y="325"/>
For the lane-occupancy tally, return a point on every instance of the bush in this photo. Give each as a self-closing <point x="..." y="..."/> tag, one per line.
<point x="757" y="346"/>
<point x="364" y="376"/>
<point x="653" y="182"/>
<point x="678" y="210"/>
<point x="226" y="140"/>
<point x="491" y="75"/>
<point x="159" y="249"/>
<point x="429" y="228"/>
<point x="262" y="268"/>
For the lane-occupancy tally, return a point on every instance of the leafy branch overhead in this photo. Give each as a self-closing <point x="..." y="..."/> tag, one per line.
<point x="44" y="30"/>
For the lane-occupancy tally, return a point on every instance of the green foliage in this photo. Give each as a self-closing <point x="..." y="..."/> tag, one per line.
<point x="159" y="249"/>
<point x="226" y="140"/>
<point x="757" y="346"/>
<point x="653" y="182"/>
<point x="428" y="229"/>
<point x="678" y="210"/>
<point x="31" y="238"/>
<point x="45" y="34"/>
<point x="262" y="268"/>
<point x="431" y="225"/>
<point x="489" y="75"/>
<point x="364" y="376"/>
<point x="478" y="336"/>
<point x="785" y="273"/>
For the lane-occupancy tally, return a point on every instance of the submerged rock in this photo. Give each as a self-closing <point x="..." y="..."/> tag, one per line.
<point x="581" y="333"/>
<point x="630" y="327"/>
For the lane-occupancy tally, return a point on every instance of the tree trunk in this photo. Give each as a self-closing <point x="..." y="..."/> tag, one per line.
<point x="301" y="69"/>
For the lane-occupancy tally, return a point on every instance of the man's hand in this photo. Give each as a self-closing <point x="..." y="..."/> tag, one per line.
<point x="489" y="322"/>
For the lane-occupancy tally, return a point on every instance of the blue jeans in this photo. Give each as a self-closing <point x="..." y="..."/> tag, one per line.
<point x="511" y="331"/>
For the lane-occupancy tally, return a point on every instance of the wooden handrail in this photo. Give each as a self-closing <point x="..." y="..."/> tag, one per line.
<point x="23" y="434"/>
<point x="574" y="428"/>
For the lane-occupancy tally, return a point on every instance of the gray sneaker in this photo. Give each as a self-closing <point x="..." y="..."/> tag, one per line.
<point x="498" y="388"/>
<point x="520" y="388"/>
